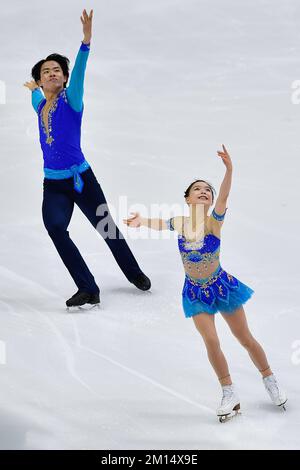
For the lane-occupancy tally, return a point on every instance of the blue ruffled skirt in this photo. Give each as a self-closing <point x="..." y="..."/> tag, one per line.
<point x="219" y="292"/>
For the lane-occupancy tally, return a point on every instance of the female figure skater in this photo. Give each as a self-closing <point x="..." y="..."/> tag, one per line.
<point x="69" y="178"/>
<point x="208" y="288"/>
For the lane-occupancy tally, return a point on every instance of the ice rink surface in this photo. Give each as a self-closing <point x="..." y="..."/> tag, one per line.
<point x="167" y="82"/>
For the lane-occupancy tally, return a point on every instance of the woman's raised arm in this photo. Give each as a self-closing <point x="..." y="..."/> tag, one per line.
<point x="221" y="201"/>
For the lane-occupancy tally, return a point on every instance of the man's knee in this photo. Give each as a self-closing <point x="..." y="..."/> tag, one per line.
<point x="56" y="229"/>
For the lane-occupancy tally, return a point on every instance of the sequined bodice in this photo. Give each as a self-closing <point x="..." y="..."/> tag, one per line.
<point x="60" y="119"/>
<point x="200" y="258"/>
<point x="60" y="133"/>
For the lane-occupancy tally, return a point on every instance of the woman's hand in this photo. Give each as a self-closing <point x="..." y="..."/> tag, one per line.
<point x="226" y="158"/>
<point x="32" y="85"/>
<point x="134" y="221"/>
<point x="86" y="21"/>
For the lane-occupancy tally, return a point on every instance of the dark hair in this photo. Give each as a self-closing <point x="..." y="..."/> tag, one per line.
<point x="60" y="59"/>
<point x="212" y="189"/>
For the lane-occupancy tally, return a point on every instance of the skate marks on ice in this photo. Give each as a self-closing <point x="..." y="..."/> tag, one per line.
<point x="117" y="408"/>
<point x="64" y="345"/>
<point x="15" y="430"/>
<point x="68" y="353"/>
<point x="138" y="374"/>
<point x="255" y="424"/>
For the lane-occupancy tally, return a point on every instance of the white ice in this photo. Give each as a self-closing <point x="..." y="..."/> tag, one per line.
<point x="168" y="81"/>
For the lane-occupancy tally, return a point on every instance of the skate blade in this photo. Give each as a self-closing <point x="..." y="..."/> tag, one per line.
<point x="83" y="308"/>
<point x="282" y="406"/>
<point x="227" y="417"/>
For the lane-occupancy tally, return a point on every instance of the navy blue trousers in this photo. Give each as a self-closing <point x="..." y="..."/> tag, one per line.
<point x="59" y="197"/>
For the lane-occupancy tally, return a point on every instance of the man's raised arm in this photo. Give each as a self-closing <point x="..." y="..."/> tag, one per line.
<point x="75" y="89"/>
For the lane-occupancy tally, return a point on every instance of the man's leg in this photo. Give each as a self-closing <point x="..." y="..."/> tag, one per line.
<point x="88" y="201"/>
<point x="57" y="210"/>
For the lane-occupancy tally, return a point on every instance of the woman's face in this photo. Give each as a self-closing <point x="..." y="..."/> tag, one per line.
<point x="200" y="193"/>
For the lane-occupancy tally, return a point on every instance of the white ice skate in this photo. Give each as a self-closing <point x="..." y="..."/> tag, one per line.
<point x="277" y="395"/>
<point x="230" y="404"/>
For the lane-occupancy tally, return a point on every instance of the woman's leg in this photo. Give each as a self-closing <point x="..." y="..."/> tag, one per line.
<point x="57" y="210"/>
<point x="93" y="204"/>
<point x="239" y="327"/>
<point x="205" y="324"/>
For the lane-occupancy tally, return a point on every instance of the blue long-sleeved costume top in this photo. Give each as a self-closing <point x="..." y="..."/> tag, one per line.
<point x="60" y="143"/>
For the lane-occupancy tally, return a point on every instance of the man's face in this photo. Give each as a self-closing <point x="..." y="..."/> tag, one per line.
<point x="52" y="77"/>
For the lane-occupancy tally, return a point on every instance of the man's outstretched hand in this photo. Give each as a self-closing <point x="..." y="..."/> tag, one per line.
<point x="32" y="85"/>
<point x="86" y="21"/>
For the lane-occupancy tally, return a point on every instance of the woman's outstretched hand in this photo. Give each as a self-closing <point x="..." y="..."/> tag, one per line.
<point x="225" y="157"/>
<point x="86" y="21"/>
<point x="32" y="85"/>
<point x="134" y="221"/>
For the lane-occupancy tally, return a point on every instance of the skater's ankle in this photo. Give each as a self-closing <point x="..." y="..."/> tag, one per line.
<point x="225" y="381"/>
<point x="266" y="372"/>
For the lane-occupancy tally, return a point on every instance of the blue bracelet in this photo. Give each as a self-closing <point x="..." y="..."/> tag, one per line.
<point x="217" y="216"/>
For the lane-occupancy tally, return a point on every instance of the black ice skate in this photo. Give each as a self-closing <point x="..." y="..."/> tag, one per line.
<point x="83" y="301"/>
<point x="141" y="281"/>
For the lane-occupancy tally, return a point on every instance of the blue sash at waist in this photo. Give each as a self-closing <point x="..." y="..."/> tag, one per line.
<point x="74" y="172"/>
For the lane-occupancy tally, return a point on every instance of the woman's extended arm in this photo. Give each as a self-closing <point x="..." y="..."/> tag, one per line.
<point x="137" y="221"/>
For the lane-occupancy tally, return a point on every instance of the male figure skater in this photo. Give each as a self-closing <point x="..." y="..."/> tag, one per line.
<point x="68" y="177"/>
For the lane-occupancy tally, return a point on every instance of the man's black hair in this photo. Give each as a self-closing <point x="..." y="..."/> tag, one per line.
<point x="60" y="59"/>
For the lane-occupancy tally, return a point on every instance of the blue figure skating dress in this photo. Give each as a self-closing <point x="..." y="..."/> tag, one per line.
<point x="208" y="287"/>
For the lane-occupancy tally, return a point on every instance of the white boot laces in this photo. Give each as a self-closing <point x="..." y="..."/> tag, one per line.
<point x="227" y="392"/>
<point x="272" y="386"/>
